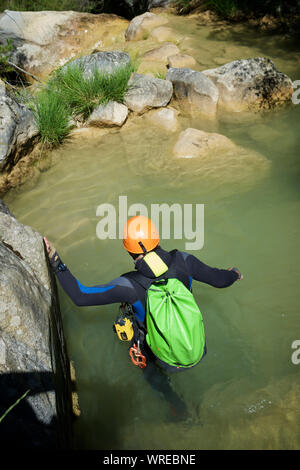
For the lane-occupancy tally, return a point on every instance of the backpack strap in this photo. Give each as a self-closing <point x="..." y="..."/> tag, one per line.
<point x="142" y="280"/>
<point x="176" y="270"/>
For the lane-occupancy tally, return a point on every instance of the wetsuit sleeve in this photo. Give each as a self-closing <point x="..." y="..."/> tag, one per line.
<point x="213" y="276"/>
<point x="118" y="290"/>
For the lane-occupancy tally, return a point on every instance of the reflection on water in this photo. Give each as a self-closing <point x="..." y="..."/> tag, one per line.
<point x="244" y="394"/>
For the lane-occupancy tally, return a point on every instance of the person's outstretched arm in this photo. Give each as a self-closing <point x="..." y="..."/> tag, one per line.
<point x="213" y="276"/>
<point x="118" y="290"/>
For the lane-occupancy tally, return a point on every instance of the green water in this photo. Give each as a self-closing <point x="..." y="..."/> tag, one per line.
<point x="245" y="393"/>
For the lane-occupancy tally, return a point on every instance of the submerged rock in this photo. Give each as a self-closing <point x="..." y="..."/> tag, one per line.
<point x="217" y="160"/>
<point x="111" y="114"/>
<point x="18" y="130"/>
<point x="196" y="143"/>
<point x="147" y="92"/>
<point x="181" y="61"/>
<point x="140" y="27"/>
<point x="193" y="91"/>
<point x="163" y="34"/>
<point x="161" y="54"/>
<point x="46" y="40"/>
<point x="33" y="352"/>
<point x="250" y="85"/>
<point x="165" y="118"/>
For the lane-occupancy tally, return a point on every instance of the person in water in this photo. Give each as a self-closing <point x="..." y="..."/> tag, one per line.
<point x="140" y="238"/>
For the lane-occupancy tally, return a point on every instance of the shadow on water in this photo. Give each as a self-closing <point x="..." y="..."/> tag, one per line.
<point x="105" y="410"/>
<point x="250" y="37"/>
<point x="21" y="428"/>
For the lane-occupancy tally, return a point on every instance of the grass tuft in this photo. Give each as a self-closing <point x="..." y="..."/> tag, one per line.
<point x="52" y="116"/>
<point x="70" y="93"/>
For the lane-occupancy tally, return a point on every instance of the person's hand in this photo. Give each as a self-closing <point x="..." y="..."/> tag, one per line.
<point x="55" y="261"/>
<point x="236" y="270"/>
<point x="50" y="249"/>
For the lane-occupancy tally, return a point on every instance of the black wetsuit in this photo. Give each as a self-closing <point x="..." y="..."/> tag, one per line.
<point x="126" y="289"/>
<point x="122" y="289"/>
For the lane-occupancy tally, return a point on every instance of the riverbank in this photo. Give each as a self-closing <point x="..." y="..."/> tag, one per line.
<point x="153" y="45"/>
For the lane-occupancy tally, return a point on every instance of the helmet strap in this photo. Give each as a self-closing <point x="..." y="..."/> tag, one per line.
<point x="143" y="248"/>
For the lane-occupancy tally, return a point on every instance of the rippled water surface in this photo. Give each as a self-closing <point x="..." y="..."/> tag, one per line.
<point x="245" y="393"/>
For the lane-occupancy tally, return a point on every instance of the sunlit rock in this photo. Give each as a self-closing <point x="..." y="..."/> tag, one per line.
<point x="46" y="40"/>
<point x="250" y="85"/>
<point x="18" y="130"/>
<point x="194" y="91"/>
<point x="111" y="114"/>
<point x="140" y="26"/>
<point x="165" y="118"/>
<point x="163" y="34"/>
<point x="181" y="61"/>
<point x="106" y="62"/>
<point x="146" y="92"/>
<point x="161" y="54"/>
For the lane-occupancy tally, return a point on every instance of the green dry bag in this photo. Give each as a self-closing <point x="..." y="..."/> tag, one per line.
<point x="175" y="331"/>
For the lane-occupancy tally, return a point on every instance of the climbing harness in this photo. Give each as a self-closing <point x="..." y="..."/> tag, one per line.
<point x="128" y="328"/>
<point x="123" y="325"/>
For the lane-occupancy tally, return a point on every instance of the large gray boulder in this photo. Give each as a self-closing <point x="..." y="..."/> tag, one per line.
<point x="147" y="92"/>
<point x="33" y="353"/>
<point x="250" y="85"/>
<point x="103" y="61"/>
<point x="193" y="91"/>
<point x="18" y="130"/>
<point x="46" y="40"/>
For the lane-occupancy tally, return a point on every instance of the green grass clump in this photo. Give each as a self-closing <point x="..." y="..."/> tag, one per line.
<point x="70" y="93"/>
<point x="82" y="94"/>
<point x="54" y="5"/>
<point x="52" y="116"/>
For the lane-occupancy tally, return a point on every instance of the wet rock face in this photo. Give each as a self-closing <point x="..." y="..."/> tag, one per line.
<point x="250" y="84"/>
<point x="194" y="91"/>
<point x="18" y="130"/>
<point x="32" y="351"/>
<point x="147" y="92"/>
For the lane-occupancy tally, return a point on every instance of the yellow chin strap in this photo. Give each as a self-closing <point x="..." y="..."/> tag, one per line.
<point x="155" y="263"/>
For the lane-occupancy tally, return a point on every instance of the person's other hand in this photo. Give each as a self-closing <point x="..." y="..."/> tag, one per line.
<point x="238" y="272"/>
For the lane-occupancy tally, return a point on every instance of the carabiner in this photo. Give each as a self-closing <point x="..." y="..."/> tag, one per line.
<point x="137" y="358"/>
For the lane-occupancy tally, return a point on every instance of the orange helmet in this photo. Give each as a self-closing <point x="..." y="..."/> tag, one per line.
<point x="140" y="235"/>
